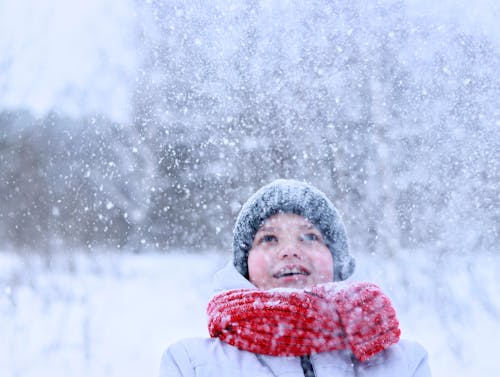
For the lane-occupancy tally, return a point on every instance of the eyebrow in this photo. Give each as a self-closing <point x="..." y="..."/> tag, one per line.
<point x="266" y="228"/>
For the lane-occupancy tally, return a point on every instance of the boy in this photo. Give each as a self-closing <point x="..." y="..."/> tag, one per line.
<point x="282" y="310"/>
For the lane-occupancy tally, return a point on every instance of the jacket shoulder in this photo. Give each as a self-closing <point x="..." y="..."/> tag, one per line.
<point x="207" y="357"/>
<point x="418" y="359"/>
<point x="405" y="358"/>
<point x="176" y="361"/>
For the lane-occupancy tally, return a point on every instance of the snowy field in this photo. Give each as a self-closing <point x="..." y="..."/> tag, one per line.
<point x="113" y="315"/>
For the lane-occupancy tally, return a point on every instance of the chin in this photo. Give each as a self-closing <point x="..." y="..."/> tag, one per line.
<point x="298" y="284"/>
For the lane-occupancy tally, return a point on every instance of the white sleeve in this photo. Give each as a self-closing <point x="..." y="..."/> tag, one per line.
<point x="422" y="368"/>
<point x="175" y="362"/>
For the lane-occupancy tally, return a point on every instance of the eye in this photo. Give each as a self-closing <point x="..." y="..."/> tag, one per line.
<point x="310" y="237"/>
<point x="267" y="238"/>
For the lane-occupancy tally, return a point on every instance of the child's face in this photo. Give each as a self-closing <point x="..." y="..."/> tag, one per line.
<point x="288" y="251"/>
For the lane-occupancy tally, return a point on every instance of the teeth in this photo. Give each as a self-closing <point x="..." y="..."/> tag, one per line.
<point x="290" y="272"/>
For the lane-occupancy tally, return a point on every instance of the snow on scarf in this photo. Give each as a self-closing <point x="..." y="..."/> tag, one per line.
<point x="289" y="322"/>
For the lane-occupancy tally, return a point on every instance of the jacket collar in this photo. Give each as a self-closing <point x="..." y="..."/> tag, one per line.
<point x="281" y="366"/>
<point x="229" y="278"/>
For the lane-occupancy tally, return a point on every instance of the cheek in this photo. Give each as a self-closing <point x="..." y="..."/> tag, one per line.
<point x="256" y="261"/>
<point x="324" y="266"/>
<point x="258" y="265"/>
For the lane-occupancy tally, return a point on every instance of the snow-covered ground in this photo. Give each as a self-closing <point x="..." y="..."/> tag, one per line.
<point x="112" y="315"/>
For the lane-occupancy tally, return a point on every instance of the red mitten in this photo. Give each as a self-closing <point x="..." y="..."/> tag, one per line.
<point x="368" y="318"/>
<point x="366" y="314"/>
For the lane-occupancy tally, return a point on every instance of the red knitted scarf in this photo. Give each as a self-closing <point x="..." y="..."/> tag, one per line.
<point x="284" y="322"/>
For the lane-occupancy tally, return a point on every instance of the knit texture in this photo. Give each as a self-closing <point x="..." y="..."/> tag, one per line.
<point x="290" y="196"/>
<point x="327" y="317"/>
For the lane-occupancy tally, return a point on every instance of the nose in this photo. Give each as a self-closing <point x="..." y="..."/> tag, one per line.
<point x="290" y="250"/>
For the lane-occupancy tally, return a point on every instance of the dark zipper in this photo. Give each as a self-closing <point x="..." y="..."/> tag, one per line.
<point x="307" y="366"/>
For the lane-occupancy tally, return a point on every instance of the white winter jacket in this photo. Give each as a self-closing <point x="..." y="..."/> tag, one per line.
<point x="204" y="357"/>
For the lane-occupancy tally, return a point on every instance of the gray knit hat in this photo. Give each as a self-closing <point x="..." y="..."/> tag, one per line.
<point x="290" y="196"/>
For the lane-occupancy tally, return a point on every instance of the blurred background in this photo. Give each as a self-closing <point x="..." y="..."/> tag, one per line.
<point x="134" y="130"/>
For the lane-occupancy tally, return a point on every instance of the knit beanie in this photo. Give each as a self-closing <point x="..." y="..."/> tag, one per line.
<point x="300" y="198"/>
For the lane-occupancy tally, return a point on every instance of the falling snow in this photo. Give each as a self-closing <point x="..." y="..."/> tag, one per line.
<point x="129" y="131"/>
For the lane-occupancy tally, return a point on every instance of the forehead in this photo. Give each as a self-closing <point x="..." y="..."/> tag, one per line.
<point x="285" y="220"/>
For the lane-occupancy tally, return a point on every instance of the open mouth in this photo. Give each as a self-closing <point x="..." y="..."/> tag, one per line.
<point x="291" y="271"/>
